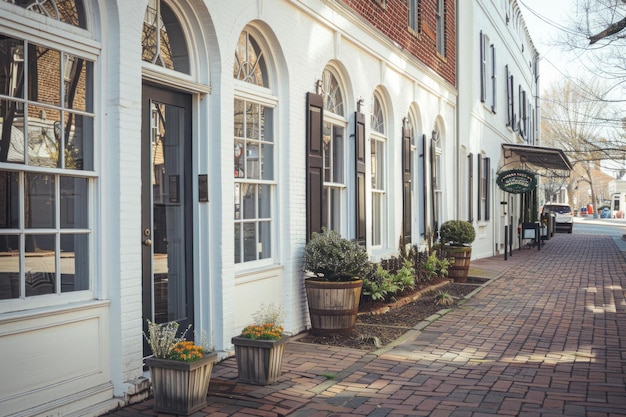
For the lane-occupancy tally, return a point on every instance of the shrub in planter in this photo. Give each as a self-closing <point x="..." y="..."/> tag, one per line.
<point x="333" y="293"/>
<point x="457" y="236"/>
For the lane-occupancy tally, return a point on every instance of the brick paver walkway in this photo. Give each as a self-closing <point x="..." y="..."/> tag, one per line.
<point x="546" y="338"/>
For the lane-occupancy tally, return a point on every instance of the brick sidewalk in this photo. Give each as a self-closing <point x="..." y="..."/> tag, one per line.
<point x="547" y="337"/>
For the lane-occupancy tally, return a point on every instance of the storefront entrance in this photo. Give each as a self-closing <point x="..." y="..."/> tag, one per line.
<point x="166" y="208"/>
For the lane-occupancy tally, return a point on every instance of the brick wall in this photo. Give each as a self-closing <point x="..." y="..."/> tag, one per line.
<point x="392" y="21"/>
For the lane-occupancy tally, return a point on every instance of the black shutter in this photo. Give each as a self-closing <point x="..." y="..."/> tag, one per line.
<point x="314" y="164"/>
<point x="480" y="186"/>
<point x="494" y="80"/>
<point x="424" y="185"/>
<point x="359" y="135"/>
<point x="470" y="189"/>
<point x="487" y="188"/>
<point x="406" y="186"/>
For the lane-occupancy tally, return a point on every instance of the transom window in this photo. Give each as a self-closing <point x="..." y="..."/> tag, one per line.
<point x="378" y="170"/>
<point x="46" y="167"/>
<point x="163" y="41"/>
<point x="254" y="176"/>
<point x="333" y="152"/>
<point x="67" y="11"/>
<point x="250" y="61"/>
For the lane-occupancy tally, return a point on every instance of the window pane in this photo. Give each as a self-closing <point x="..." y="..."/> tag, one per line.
<point x="77" y="74"/>
<point x="252" y="160"/>
<point x="43" y="137"/>
<point x="74" y="262"/>
<point x="267" y="161"/>
<point x="237" y="242"/>
<point x="252" y="120"/>
<point x="249" y="201"/>
<point x="249" y="242"/>
<point x="267" y="124"/>
<point x="39" y="205"/>
<point x="265" y="244"/>
<point x="239" y="118"/>
<point x="337" y="144"/>
<point x="40" y="265"/>
<point x="74" y="203"/>
<point x="9" y="267"/>
<point x="265" y="202"/>
<point x="78" y="135"/>
<point x="44" y="75"/>
<point x="376" y="218"/>
<point x="12" y="58"/>
<point x="9" y="202"/>
<point x="377" y="165"/>
<point x="163" y="41"/>
<point x="11" y="131"/>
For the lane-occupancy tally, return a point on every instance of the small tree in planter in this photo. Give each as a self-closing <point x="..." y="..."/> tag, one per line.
<point x="457" y="237"/>
<point x="333" y="293"/>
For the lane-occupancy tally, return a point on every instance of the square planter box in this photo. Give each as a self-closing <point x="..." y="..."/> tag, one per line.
<point x="259" y="362"/>
<point x="180" y="387"/>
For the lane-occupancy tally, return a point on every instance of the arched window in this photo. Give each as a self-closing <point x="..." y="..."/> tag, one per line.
<point x="250" y="61"/>
<point x="254" y="176"/>
<point x="163" y="41"/>
<point x="71" y="12"/>
<point x="334" y="152"/>
<point x="378" y="145"/>
<point x="46" y="159"/>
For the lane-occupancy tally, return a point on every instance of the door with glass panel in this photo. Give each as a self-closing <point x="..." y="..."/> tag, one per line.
<point x="166" y="208"/>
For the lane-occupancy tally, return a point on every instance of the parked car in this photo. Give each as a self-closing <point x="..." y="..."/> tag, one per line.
<point x="605" y="213"/>
<point x="564" y="217"/>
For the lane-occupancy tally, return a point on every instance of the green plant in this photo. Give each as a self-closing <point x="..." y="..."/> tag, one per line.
<point x="444" y="299"/>
<point x="385" y="283"/>
<point x="457" y="233"/>
<point x="333" y="258"/>
<point x="166" y="345"/>
<point x="268" y="323"/>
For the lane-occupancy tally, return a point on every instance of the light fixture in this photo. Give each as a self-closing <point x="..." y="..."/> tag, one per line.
<point x="359" y="104"/>
<point x="318" y="87"/>
<point x="435" y="136"/>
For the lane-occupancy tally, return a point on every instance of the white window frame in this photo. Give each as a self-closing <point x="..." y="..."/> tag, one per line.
<point x="263" y="96"/>
<point x="77" y="42"/>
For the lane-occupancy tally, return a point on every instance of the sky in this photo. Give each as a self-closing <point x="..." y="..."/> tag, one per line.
<point x="543" y="26"/>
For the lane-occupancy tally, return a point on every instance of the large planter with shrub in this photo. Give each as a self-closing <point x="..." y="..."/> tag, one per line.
<point x="456" y="237"/>
<point x="334" y="292"/>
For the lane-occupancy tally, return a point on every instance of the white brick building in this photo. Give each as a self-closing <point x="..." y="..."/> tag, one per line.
<point x="153" y="165"/>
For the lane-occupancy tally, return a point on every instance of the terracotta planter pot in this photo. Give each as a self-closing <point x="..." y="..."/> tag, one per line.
<point x="180" y="387"/>
<point x="460" y="268"/>
<point x="333" y="306"/>
<point x="259" y="362"/>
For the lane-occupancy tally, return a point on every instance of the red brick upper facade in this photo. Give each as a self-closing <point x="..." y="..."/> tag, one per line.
<point x="391" y="17"/>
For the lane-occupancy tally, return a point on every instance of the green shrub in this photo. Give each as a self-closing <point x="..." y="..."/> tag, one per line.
<point x="457" y="233"/>
<point x="333" y="258"/>
<point x="384" y="284"/>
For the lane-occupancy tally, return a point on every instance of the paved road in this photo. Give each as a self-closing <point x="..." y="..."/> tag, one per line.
<point x="546" y="337"/>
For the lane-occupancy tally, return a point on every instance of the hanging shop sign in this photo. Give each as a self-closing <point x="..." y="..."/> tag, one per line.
<point x="516" y="181"/>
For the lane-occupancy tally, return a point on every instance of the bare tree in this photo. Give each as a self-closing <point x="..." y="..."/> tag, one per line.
<point x="573" y="119"/>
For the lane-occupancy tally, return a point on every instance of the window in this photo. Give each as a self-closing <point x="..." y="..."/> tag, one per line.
<point x="483" y="67"/>
<point x="71" y="12"/>
<point x="494" y="80"/>
<point x="333" y="152"/>
<point x="436" y="178"/>
<point x="46" y="163"/>
<point x="378" y="167"/>
<point x="510" y="99"/>
<point x="440" y="21"/>
<point x="415" y="15"/>
<point x="484" y="168"/>
<point x="163" y="40"/>
<point x="254" y="157"/>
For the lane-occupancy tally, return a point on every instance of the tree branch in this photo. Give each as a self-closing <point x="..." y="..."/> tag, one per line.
<point x="610" y="30"/>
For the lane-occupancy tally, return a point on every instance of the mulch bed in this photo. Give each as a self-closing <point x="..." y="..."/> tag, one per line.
<point x="380" y="323"/>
